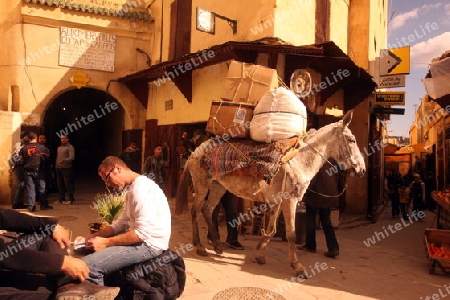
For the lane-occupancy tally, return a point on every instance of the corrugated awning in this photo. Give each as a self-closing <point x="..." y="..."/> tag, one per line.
<point x="124" y="11"/>
<point x="324" y="58"/>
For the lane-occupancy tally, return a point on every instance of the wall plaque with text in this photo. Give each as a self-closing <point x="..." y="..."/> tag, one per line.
<point x="87" y="49"/>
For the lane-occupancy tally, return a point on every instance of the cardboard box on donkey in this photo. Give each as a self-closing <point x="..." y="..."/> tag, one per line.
<point x="230" y="118"/>
<point x="247" y="83"/>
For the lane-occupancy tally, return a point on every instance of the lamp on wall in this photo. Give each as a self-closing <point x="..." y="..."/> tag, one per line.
<point x="206" y="21"/>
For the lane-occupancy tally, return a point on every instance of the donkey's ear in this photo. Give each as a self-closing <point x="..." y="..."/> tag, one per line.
<point x="347" y="118"/>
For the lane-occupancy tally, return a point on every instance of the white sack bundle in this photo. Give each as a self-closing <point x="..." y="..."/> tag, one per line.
<point x="278" y="115"/>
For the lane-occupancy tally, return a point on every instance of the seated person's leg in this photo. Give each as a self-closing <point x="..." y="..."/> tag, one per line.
<point x="20" y="284"/>
<point x="114" y="258"/>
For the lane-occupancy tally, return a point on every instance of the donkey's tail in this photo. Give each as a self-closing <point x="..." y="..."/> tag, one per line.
<point x="181" y="199"/>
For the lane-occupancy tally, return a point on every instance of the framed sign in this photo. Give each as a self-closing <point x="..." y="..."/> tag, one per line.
<point x="205" y="21"/>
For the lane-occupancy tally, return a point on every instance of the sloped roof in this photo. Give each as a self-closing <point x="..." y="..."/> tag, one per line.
<point x="124" y="12"/>
<point x="325" y="58"/>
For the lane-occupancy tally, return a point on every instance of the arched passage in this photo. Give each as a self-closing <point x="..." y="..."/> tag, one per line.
<point x="93" y="120"/>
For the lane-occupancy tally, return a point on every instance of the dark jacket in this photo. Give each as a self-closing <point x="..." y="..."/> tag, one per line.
<point x="31" y="155"/>
<point x="326" y="183"/>
<point x="154" y="169"/>
<point x="27" y="260"/>
<point x="160" y="278"/>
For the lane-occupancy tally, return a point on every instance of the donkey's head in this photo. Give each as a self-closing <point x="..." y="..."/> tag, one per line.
<point x="344" y="148"/>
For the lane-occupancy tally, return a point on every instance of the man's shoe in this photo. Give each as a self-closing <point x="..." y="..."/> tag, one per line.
<point x="32" y="208"/>
<point x="58" y="202"/>
<point x="332" y="254"/>
<point x="46" y="207"/>
<point x="236" y="245"/>
<point x="86" y="290"/>
<point x="303" y="247"/>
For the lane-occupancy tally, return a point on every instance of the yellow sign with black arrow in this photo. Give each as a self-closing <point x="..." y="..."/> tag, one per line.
<point x="395" y="61"/>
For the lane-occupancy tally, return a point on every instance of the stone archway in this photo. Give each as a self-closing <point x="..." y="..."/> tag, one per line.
<point x="93" y="120"/>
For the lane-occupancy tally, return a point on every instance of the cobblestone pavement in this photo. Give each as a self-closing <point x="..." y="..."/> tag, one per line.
<point x="393" y="267"/>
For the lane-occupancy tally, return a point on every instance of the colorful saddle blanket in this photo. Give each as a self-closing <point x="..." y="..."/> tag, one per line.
<point x="247" y="156"/>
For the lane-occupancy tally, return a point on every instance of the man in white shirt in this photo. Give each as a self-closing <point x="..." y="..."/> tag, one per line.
<point x="141" y="232"/>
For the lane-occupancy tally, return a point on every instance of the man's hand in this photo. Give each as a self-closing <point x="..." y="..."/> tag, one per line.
<point x="97" y="243"/>
<point x="61" y="236"/>
<point x="75" y="268"/>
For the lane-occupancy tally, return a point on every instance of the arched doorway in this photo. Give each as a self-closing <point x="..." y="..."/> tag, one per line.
<point x="93" y="120"/>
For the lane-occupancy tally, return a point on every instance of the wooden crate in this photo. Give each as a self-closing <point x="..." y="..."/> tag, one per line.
<point x="439" y="238"/>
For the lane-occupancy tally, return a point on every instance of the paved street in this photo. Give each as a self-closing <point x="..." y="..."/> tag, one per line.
<point x="395" y="267"/>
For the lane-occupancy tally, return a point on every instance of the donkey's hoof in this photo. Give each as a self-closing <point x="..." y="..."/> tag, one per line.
<point x="218" y="248"/>
<point x="201" y="251"/>
<point x="299" y="270"/>
<point x="261" y="260"/>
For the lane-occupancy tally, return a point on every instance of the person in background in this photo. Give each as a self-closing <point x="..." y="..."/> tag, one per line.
<point x="41" y="248"/>
<point x="46" y="167"/>
<point x="32" y="155"/>
<point x="417" y="194"/>
<point x="65" y="155"/>
<point x="403" y="192"/>
<point x="131" y="155"/>
<point x="393" y="182"/>
<point x="185" y="148"/>
<point x="154" y="167"/>
<point x="321" y="195"/>
<point x="408" y="177"/>
<point x="17" y="169"/>
<point x="229" y="202"/>
<point x="166" y="154"/>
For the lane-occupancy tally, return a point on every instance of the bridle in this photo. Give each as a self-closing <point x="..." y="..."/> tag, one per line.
<point x="349" y="158"/>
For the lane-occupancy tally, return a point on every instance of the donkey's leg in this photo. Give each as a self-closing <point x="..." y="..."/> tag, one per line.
<point x="216" y="191"/>
<point x="266" y="235"/>
<point x="200" y="194"/>
<point x="289" y="206"/>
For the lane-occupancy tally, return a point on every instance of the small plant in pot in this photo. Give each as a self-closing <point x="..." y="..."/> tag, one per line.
<point x="108" y="206"/>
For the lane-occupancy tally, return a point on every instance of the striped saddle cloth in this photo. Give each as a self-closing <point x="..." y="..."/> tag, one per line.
<point x="245" y="157"/>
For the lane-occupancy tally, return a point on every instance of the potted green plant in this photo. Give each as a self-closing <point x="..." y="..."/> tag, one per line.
<point x="108" y="206"/>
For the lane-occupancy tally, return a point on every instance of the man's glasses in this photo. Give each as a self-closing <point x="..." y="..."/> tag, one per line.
<point x="108" y="175"/>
